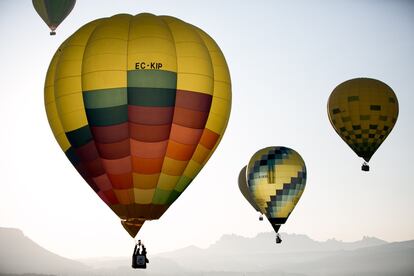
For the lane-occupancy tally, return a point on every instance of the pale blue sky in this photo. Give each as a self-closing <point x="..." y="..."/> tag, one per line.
<point x="285" y="58"/>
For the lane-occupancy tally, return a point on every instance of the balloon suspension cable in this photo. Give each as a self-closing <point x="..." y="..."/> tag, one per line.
<point x="365" y="167"/>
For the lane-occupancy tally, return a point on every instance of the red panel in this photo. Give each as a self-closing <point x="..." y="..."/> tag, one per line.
<point x="117" y="166"/>
<point x="150" y="115"/>
<point x="110" y="195"/>
<point x="190" y="118"/>
<point x="104" y="198"/>
<point x="121" y="181"/>
<point x="110" y="134"/>
<point x="114" y="150"/>
<point x="148" y="133"/>
<point x="103" y="182"/>
<point x="94" y="168"/>
<point x="87" y="152"/>
<point x="193" y="100"/>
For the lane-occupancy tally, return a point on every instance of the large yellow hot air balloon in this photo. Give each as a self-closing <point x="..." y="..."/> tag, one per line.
<point x="138" y="104"/>
<point x="276" y="178"/>
<point x="363" y="112"/>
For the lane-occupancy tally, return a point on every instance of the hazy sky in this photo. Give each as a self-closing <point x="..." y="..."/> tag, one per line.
<point x="285" y="58"/>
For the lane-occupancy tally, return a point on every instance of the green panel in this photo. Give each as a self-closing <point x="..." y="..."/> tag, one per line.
<point x="105" y="98"/>
<point x="107" y="116"/>
<point x="80" y="136"/>
<point x="152" y="78"/>
<point x="71" y="155"/>
<point x="173" y="196"/>
<point x="151" y="96"/>
<point x="160" y="196"/>
<point x="183" y="183"/>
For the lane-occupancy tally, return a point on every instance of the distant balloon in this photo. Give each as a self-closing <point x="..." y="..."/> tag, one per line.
<point x="363" y="112"/>
<point x="138" y="104"/>
<point x="245" y="190"/>
<point x="53" y="12"/>
<point x="276" y="178"/>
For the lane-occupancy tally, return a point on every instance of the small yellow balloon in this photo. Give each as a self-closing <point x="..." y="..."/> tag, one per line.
<point x="363" y="112"/>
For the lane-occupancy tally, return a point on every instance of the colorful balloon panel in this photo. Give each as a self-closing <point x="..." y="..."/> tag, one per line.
<point x="276" y="177"/>
<point x="363" y="112"/>
<point x="53" y="12"/>
<point x="138" y="104"/>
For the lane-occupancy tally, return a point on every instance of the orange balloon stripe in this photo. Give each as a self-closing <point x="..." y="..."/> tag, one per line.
<point x="180" y="151"/>
<point x="185" y="135"/>
<point x="147" y="166"/>
<point x="148" y="150"/>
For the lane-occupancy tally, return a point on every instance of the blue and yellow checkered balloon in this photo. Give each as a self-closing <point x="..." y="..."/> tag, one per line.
<point x="276" y="178"/>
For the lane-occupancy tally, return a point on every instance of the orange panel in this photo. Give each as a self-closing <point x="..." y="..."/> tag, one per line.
<point x="209" y="138"/>
<point x="125" y="196"/>
<point x="147" y="166"/>
<point x="185" y="135"/>
<point x="148" y="150"/>
<point x="179" y="151"/>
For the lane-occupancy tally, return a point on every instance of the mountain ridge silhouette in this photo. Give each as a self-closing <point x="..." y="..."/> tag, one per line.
<point x="298" y="255"/>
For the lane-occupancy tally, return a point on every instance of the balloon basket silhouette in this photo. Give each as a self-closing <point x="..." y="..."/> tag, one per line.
<point x="261" y="218"/>
<point x="139" y="256"/>
<point x="365" y="167"/>
<point x="278" y="239"/>
<point x="52" y="33"/>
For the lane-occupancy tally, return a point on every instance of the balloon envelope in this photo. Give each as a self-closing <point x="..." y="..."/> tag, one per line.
<point x="276" y="177"/>
<point x="53" y="12"/>
<point x="363" y="112"/>
<point x="138" y="104"/>
<point x="245" y="190"/>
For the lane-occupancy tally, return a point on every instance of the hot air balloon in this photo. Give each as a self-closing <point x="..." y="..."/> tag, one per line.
<point x="138" y="104"/>
<point x="53" y="12"/>
<point x="276" y="178"/>
<point x="246" y="192"/>
<point x="363" y="112"/>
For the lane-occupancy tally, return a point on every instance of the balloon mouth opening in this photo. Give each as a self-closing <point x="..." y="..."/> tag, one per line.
<point x="276" y="227"/>
<point x="132" y="225"/>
